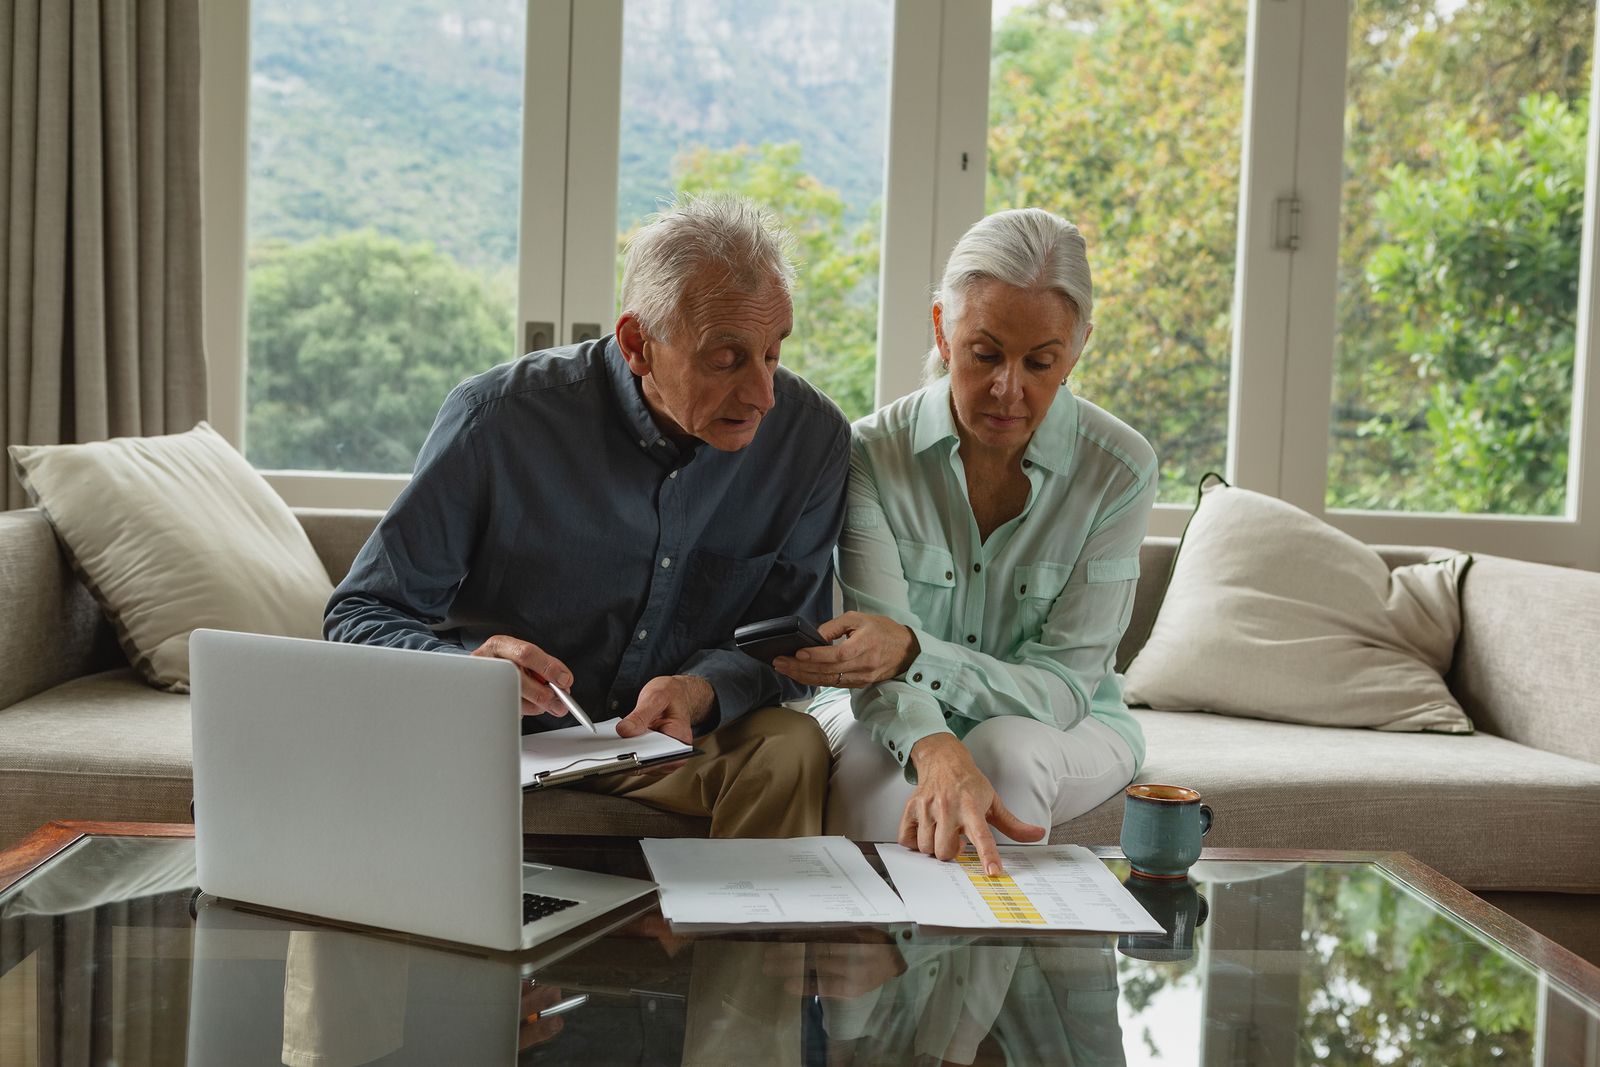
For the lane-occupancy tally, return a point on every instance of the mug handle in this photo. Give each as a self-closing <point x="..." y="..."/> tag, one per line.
<point x="1205" y="819"/>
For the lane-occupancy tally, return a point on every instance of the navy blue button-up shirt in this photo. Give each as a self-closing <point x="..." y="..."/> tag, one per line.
<point x="547" y="504"/>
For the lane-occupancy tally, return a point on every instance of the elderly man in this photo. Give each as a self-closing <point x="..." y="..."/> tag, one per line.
<point x="605" y="514"/>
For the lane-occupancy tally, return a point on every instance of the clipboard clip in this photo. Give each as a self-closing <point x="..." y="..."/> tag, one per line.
<point x="627" y="760"/>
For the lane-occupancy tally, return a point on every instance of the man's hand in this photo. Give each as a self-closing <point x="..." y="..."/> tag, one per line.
<point x="539" y="668"/>
<point x="534" y="1028"/>
<point x="877" y="649"/>
<point x="953" y="799"/>
<point x="671" y="705"/>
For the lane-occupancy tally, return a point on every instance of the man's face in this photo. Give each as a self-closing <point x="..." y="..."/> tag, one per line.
<point x="712" y="377"/>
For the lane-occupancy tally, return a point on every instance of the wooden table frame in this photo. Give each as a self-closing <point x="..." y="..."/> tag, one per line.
<point x="1561" y="964"/>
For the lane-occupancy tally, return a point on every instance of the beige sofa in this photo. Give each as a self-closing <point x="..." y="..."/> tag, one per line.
<point x="1512" y="812"/>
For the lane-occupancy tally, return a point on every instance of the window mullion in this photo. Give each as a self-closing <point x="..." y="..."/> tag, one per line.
<point x="1313" y="290"/>
<point x="1583" y="473"/>
<point x="541" y="237"/>
<point x="224" y="146"/>
<point x="594" y="117"/>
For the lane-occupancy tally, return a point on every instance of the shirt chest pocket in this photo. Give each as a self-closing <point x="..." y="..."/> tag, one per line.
<point x="1035" y="588"/>
<point x="930" y="583"/>
<point x="717" y="593"/>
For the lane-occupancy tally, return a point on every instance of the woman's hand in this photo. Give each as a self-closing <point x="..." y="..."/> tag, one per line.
<point x="952" y="800"/>
<point x="874" y="650"/>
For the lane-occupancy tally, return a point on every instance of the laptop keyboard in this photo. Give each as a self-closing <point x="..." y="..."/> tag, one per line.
<point x="535" y="906"/>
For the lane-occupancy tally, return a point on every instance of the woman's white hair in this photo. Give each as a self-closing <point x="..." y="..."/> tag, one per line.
<point x="695" y="233"/>
<point x="1029" y="248"/>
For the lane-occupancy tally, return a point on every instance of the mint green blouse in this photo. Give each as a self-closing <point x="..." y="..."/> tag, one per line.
<point x="1026" y="623"/>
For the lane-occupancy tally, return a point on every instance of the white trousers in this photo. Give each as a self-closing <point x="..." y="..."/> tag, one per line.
<point x="1044" y="775"/>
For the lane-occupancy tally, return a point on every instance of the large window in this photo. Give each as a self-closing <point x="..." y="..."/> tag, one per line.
<point x="786" y="102"/>
<point x="1466" y="131"/>
<point x="382" y="221"/>
<point x="1126" y="117"/>
<point x="1343" y="248"/>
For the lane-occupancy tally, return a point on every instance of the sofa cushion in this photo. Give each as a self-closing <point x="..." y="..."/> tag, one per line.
<point x="1272" y="613"/>
<point x="108" y="747"/>
<point x="175" y="532"/>
<point x="102" y="746"/>
<point x="1487" y="812"/>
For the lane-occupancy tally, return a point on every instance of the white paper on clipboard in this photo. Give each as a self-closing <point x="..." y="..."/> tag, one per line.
<point x="555" y="757"/>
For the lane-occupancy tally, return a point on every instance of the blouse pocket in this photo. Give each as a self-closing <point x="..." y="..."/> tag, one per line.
<point x="930" y="583"/>
<point x="1036" y="587"/>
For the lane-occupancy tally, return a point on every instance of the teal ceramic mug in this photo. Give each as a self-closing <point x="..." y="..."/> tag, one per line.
<point x="1161" y="829"/>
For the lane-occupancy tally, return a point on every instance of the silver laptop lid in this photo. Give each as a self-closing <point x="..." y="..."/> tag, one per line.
<point x="368" y="785"/>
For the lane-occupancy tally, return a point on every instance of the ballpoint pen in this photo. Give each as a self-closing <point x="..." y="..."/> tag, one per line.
<point x="572" y="706"/>
<point x="560" y="1008"/>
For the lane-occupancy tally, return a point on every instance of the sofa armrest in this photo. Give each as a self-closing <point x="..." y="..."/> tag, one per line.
<point x="54" y="630"/>
<point x="337" y="534"/>
<point x="1525" y="667"/>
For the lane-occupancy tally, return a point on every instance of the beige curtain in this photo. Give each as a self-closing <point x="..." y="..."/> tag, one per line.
<point x="100" y="313"/>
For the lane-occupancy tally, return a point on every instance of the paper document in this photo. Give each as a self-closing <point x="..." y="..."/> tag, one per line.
<point x="1050" y="887"/>
<point x="573" y="751"/>
<point x="799" y="880"/>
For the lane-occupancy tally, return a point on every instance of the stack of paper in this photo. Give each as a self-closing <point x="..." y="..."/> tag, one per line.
<point x="803" y="880"/>
<point x="1049" y="887"/>
<point x="826" y="880"/>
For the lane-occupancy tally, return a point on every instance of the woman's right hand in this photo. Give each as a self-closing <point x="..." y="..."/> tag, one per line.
<point x="875" y="648"/>
<point x="952" y="800"/>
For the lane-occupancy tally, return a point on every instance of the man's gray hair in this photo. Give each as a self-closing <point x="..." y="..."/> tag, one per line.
<point x="677" y="245"/>
<point x="1028" y="248"/>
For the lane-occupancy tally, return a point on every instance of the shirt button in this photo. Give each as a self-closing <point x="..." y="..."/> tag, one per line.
<point x="1024" y="589"/>
<point x="643" y="634"/>
<point x="917" y="677"/>
<point x="615" y="705"/>
<point x="672" y="474"/>
<point x="1027" y="463"/>
<point x="972" y="639"/>
<point x="977" y="568"/>
<point x="949" y="575"/>
<point x="933" y="685"/>
<point x="666" y="561"/>
<point x="643" y="443"/>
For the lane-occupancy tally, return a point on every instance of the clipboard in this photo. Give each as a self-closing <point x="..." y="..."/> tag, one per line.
<point x="598" y="765"/>
<point x="560" y="757"/>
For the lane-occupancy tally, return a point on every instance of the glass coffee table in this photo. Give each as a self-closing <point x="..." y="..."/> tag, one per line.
<point x="108" y="955"/>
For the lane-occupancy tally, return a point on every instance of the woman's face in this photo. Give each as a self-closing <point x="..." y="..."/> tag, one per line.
<point x="1008" y="353"/>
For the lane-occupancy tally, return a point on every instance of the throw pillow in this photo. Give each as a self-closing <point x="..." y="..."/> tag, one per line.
<point x="1273" y="614"/>
<point x="173" y="533"/>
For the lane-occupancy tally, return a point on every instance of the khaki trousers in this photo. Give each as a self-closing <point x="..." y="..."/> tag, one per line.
<point x="765" y="774"/>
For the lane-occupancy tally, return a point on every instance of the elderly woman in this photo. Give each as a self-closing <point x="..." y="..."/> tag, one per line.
<point x="988" y="559"/>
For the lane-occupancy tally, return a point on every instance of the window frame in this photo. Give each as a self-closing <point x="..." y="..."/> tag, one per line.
<point x="1281" y="375"/>
<point x="1572" y="539"/>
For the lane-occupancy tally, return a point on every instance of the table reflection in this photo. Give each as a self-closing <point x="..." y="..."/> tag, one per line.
<point x="107" y="955"/>
<point x="1042" y="1001"/>
<point x="266" y="990"/>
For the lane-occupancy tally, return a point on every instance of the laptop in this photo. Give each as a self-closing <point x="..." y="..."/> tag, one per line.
<point x="374" y="786"/>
